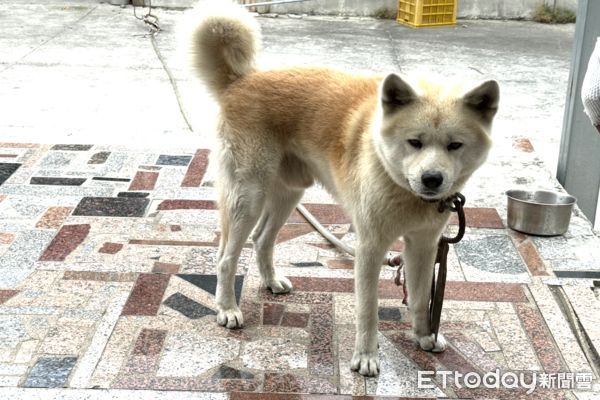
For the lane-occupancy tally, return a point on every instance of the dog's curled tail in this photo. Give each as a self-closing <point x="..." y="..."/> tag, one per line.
<point x="224" y="41"/>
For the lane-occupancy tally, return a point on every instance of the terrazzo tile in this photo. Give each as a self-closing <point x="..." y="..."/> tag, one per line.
<point x="196" y="169"/>
<point x="110" y="248"/>
<point x="110" y="179"/>
<point x="515" y="345"/>
<point x="19" y="259"/>
<point x="165" y="268"/>
<point x="72" y="147"/>
<point x="532" y="258"/>
<point x="100" y="276"/>
<point x="225" y="372"/>
<point x="99" y="158"/>
<point x="113" y="394"/>
<point x="55" y="191"/>
<point x="586" y="306"/>
<point x="146" y="295"/>
<point x="389" y="314"/>
<point x="208" y="283"/>
<point x="6" y="294"/>
<point x="57" y="160"/>
<point x="275" y="354"/>
<point x="66" y="240"/>
<point x="320" y="356"/>
<point x="289" y="383"/>
<point x="65" y="339"/>
<point x="12" y="369"/>
<point x="187" y="205"/>
<point x="12" y="327"/>
<point x="149" y="342"/>
<point x="6" y="170"/>
<point x="26" y="351"/>
<point x="477" y="217"/>
<point x="295" y="320"/>
<point x="42" y="180"/>
<point x="186" y="354"/>
<point x="133" y="194"/>
<point x="559" y="328"/>
<point x="54" y="217"/>
<point x="112" y="207"/>
<point x="491" y="259"/>
<point x="398" y="375"/>
<point x="50" y="372"/>
<point x="188" y="307"/>
<point x="165" y="159"/>
<point x="272" y="313"/>
<point x="540" y="339"/>
<point x="144" y="181"/>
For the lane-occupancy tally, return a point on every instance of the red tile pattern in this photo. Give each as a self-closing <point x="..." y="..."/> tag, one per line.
<point x="532" y="258"/>
<point x="540" y="338"/>
<point x="272" y="313"/>
<point x="6" y="294"/>
<point x="187" y="205"/>
<point x="284" y="383"/>
<point x="196" y="169"/>
<point x="66" y="240"/>
<point x="144" y="181"/>
<point x="165" y="268"/>
<point x="480" y="217"/>
<point x="110" y="248"/>
<point x="524" y="145"/>
<point x="146" y="295"/>
<point x="54" y="217"/>
<point x="294" y="320"/>
<point x="466" y="291"/>
<point x="320" y="352"/>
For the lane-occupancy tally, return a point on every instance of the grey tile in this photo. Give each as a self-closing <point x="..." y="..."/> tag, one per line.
<point x="490" y="258"/>
<point x="225" y="372"/>
<point x="389" y="314"/>
<point x="72" y="147"/>
<point x="165" y="159"/>
<point x="41" y="180"/>
<point x="50" y="372"/>
<point x="6" y="170"/>
<point x="187" y="306"/>
<point x="111" y="207"/>
<point x="208" y="283"/>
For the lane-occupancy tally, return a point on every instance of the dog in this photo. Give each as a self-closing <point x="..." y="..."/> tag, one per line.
<point x="386" y="147"/>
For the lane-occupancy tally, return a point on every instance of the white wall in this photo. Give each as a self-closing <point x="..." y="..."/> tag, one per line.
<point x="466" y="8"/>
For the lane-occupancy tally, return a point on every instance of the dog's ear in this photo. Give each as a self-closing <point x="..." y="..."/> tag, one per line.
<point x="484" y="99"/>
<point x="395" y="93"/>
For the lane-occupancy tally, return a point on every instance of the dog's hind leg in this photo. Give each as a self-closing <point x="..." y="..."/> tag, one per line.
<point x="242" y="202"/>
<point x="419" y="256"/>
<point x="279" y="204"/>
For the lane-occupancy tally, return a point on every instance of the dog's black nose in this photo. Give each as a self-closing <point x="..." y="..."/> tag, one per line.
<point x="432" y="179"/>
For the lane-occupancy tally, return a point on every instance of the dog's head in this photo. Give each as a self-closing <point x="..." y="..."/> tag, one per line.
<point x="432" y="137"/>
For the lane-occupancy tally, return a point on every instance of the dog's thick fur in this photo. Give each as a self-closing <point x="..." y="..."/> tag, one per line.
<point x="383" y="147"/>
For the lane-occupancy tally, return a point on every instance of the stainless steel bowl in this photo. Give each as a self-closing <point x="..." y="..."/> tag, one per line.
<point x="540" y="212"/>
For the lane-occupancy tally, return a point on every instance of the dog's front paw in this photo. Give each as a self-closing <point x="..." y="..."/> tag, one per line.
<point x="280" y="284"/>
<point x="231" y="318"/>
<point x="366" y="364"/>
<point x="428" y="343"/>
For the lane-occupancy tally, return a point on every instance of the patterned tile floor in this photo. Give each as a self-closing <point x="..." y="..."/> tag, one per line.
<point x="107" y="282"/>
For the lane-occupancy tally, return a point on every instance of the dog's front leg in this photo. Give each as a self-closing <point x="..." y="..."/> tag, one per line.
<point x="367" y="266"/>
<point x="419" y="256"/>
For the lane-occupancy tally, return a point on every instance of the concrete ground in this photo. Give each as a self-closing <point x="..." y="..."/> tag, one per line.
<point x="108" y="233"/>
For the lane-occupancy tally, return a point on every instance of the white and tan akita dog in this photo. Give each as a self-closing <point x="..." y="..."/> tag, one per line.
<point x="385" y="147"/>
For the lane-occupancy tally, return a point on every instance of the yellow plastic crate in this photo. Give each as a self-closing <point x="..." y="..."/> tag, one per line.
<point x="420" y="13"/>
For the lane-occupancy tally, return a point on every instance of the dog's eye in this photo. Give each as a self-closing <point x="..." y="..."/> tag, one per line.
<point x="454" y="146"/>
<point x="415" y="143"/>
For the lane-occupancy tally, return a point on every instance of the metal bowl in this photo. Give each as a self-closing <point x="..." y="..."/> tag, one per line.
<point x="540" y="212"/>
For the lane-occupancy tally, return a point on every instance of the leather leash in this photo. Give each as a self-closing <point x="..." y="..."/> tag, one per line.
<point x="454" y="203"/>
